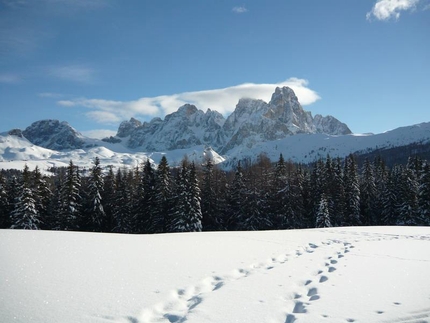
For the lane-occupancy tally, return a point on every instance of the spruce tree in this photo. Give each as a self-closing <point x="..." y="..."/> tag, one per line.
<point x="187" y="216"/>
<point x="122" y="212"/>
<point x="70" y="199"/>
<point x="4" y="204"/>
<point x="96" y="214"/>
<point x="424" y="196"/>
<point x="352" y="192"/>
<point x="43" y="196"/>
<point x="24" y="214"/>
<point x="323" y="214"/>
<point x="108" y="196"/>
<point x="367" y="194"/>
<point x="209" y="205"/>
<point x="236" y="200"/>
<point x="408" y="198"/>
<point x="163" y="197"/>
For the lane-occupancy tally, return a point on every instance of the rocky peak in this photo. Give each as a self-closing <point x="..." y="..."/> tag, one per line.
<point x="127" y="127"/>
<point x="53" y="134"/>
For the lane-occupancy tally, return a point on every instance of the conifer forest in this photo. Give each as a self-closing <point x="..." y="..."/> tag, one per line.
<point x="189" y="198"/>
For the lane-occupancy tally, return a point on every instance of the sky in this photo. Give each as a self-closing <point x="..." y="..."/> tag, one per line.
<point x="96" y="63"/>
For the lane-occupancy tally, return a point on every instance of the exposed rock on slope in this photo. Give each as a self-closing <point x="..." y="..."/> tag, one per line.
<point x="53" y="134"/>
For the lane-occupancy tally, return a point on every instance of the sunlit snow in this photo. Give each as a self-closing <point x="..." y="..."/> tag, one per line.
<point x="356" y="274"/>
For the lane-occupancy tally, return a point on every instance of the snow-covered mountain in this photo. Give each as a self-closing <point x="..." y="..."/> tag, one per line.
<point x="255" y="127"/>
<point x="252" y="121"/>
<point x="15" y="150"/>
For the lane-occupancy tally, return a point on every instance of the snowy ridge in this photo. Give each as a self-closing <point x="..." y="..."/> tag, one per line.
<point x="356" y="274"/>
<point x="305" y="148"/>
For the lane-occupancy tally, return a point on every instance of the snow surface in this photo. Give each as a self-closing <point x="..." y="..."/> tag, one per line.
<point x="356" y="274"/>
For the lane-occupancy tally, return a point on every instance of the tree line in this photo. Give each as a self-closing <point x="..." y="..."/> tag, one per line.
<point x="254" y="196"/>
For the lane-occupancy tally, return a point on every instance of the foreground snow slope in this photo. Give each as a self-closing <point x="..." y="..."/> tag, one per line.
<point x="357" y="274"/>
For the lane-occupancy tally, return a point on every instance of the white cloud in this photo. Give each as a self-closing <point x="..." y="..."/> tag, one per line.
<point x="10" y="78"/>
<point x="49" y="95"/>
<point x="240" y="9"/>
<point x="387" y="9"/>
<point x="74" y="73"/>
<point x="222" y="100"/>
<point x="99" y="133"/>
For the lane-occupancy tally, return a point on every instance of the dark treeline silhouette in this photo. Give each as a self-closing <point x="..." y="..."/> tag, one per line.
<point x="258" y="196"/>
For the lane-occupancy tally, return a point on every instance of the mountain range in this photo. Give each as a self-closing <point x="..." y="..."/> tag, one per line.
<point x="254" y="127"/>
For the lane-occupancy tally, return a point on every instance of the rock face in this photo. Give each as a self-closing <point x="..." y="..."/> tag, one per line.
<point x="184" y="128"/>
<point x="53" y="134"/>
<point x="252" y="121"/>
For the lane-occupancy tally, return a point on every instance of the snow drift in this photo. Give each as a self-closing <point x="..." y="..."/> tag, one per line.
<point x="356" y="274"/>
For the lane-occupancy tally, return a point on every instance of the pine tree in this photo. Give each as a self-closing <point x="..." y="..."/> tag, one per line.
<point x="187" y="216"/>
<point x="43" y="196"/>
<point x="108" y="196"/>
<point x="163" y="197"/>
<point x="70" y="199"/>
<point x="323" y="214"/>
<point x="367" y="194"/>
<point x="236" y="200"/>
<point x="4" y="204"/>
<point x="278" y="200"/>
<point x="389" y="198"/>
<point x="96" y="214"/>
<point x="209" y="205"/>
<point x="122" y="212"/>
<point x="352" y="192"/>
<point x="408" y="198"/>
<point x="424" y="196"/>
<point x="25" y="215"/>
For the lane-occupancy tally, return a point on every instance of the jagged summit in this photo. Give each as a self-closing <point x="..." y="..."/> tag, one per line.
<point x="251" y="122"/>
<point x="53" y="134"/>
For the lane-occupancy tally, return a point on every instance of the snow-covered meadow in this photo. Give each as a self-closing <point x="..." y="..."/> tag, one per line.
<point x="355" y="274"/>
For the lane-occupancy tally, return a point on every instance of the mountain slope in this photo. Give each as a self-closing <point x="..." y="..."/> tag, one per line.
<point x="303" y="148"/>
<point x="252" y="121"/>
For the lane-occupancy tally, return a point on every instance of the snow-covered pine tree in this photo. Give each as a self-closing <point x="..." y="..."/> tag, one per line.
<point x="424" y="196"/>
<point x="381" y="175"/>
<point x="236" y="200"/>
<point x="352" y="192"/>
<point x="367" y="194"/>
<point x="408" y="198"/>
<point x="278" y="202"/>
<point x="323" y="214"/>
<point x="122" y="212"/>
<point x="163" y="197"/>
<point x="389" y="197"/>
<point x="4" y="204"/>
<point x="108" y="196"/>
<point x="337" y="212"/>
<point x="187" y="215"/>
<point x="195" y="217"/>
<point x="96" y="216"/>
<point x="70" y="199"/>
<point x="24" y="214"/>
<point x="210" y="210"/>
<point x="43" y="196"/>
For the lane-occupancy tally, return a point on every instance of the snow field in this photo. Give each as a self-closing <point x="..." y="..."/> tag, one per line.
<point x="357" y="274"/>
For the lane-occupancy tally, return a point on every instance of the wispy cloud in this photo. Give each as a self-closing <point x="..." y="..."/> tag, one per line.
<point x="99" y="133"/>
<point x="50" y="95"/>
<point x="240" y="9"/>
<point x="389" y="9"/>
<point x="73" y="73"/>
<point x="10" y="78"/>
<point x="222" y="100"/>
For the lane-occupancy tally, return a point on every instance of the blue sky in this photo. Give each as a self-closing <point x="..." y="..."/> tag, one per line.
<point x="95" y="63"/>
